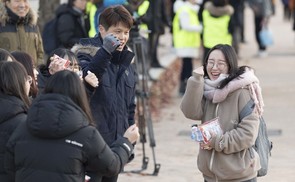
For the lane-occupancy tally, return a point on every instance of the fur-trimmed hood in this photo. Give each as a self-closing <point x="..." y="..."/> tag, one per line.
<point x="86" y="49"/>
<point x="31" y="17"/>
<point x="218" y="11"/>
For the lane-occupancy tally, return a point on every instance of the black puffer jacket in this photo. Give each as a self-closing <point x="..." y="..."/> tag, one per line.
<point x="71" y="26"/>
<point x="58" y="144"/>
<point x="12" y="112"/>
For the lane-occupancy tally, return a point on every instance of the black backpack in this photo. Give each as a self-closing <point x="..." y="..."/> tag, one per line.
<point x="49" y="36"/>
<point x="263" y="145"/>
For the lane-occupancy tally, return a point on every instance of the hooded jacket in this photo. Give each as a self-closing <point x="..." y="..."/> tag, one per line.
<point x="12" y="113"/>
<point x="71" y="26"/>
<point x="232" y="158"/>
<point x="21" y="33"/>
<point x="113" y="102"/>
<point x="58" y="144"/>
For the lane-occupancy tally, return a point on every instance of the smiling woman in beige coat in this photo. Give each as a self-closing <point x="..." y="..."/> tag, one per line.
<point x="221" y="88"/>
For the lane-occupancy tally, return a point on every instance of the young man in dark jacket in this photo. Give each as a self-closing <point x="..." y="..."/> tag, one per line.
<point x="107" y="56"/>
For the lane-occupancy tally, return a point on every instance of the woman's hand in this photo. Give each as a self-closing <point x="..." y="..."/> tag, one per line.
<point x="208" y="145"/>
<point x="199" y="71"/>
<point x="205" y="146"/>
<point x="57" y="64"/>
<point x="91" y="79"/>
<point x="132" y="134"/>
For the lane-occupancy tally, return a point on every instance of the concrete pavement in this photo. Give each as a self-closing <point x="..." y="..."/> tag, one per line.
<point x="177" y="153"/>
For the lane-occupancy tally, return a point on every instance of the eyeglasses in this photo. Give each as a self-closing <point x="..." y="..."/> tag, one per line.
<point x="29" y="79"/>
<point x="219" y="65"/>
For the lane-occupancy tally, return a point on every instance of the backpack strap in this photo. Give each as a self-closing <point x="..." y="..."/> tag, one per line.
<point x="248" y="109"/>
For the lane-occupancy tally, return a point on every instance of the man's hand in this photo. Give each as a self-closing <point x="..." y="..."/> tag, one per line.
<point x="110" y="43"/>
<point x="132" y="133"/>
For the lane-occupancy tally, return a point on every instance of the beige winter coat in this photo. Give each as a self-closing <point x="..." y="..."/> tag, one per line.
<point x="232" y="157"/>
<point x="21" y="35"/>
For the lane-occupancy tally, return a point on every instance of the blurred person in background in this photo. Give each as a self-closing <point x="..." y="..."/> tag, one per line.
<point x="262" y="10"/>
<point x="59" y="141"/>
<point x="157" y="18"/>
<point x="186" y="38"/>
<point x="19" y="30"/>
<point x="218" y="24"/>
<point x="6" y="55"/>
<point x="14" y="103"/>
<point x="72" y="24"/>
<point x="27" y="61"/>
<point x="45" y="11"/>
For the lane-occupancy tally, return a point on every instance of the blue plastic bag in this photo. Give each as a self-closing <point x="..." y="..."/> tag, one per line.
<point x="266" y="37"/>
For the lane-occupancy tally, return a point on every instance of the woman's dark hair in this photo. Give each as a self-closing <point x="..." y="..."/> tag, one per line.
<point x="232" y="62"/>
<point x="68" y="83"/>
<point x="13" y="78"/>
<point x="5" y="55"/>
<point x="27" y="61"/>
<point x="114" y="15"/>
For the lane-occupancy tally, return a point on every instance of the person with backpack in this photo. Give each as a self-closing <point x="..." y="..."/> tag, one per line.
<point x="69" y="26"/>
<point x="19" y="30"/>
<point x="221" y="89"/>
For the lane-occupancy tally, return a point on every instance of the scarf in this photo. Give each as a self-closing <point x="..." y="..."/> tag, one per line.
<point x="247" y="79"/>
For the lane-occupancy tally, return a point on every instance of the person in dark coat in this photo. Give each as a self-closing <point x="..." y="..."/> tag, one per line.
<point x="72" y="23"/>
<point x="14" y="103"/>
<point x="157" y="17"/>
<point x="59" y="142"/>
<point x="107" y="56"/>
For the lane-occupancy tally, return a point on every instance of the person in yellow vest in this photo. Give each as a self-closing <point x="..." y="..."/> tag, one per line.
<point x="95" y="8"/>
<point x="217" y="24"/>
<point x="186" y="38"/>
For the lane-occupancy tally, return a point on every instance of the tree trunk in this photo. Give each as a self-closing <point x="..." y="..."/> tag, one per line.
<point x="46" y="11"/>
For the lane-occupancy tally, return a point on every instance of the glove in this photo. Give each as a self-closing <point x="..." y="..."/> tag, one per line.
<point x="110" y="43"/>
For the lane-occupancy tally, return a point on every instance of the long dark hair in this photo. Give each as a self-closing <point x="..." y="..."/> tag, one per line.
<point x="68" y="83"/>
<point x="231" y="58"/>
<point x="4" y="55"/>
<point x="13" y="78"/>
<point x="27" y="61"/>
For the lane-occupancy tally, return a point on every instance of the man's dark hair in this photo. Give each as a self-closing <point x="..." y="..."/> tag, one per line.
<point x="114" y="15"/>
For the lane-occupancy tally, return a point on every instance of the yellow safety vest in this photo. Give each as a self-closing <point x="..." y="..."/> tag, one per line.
<point x="215" y="30"/>
<point x="183" y="38"/>
<point x="92" y="10"/>
<point x="142" y="9"/>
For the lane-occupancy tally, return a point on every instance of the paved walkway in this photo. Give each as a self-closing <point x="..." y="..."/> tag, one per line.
<point x="177" y="153"/>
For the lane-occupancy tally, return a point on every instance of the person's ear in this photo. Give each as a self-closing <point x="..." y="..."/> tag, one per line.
<point x="102" y="30"/>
